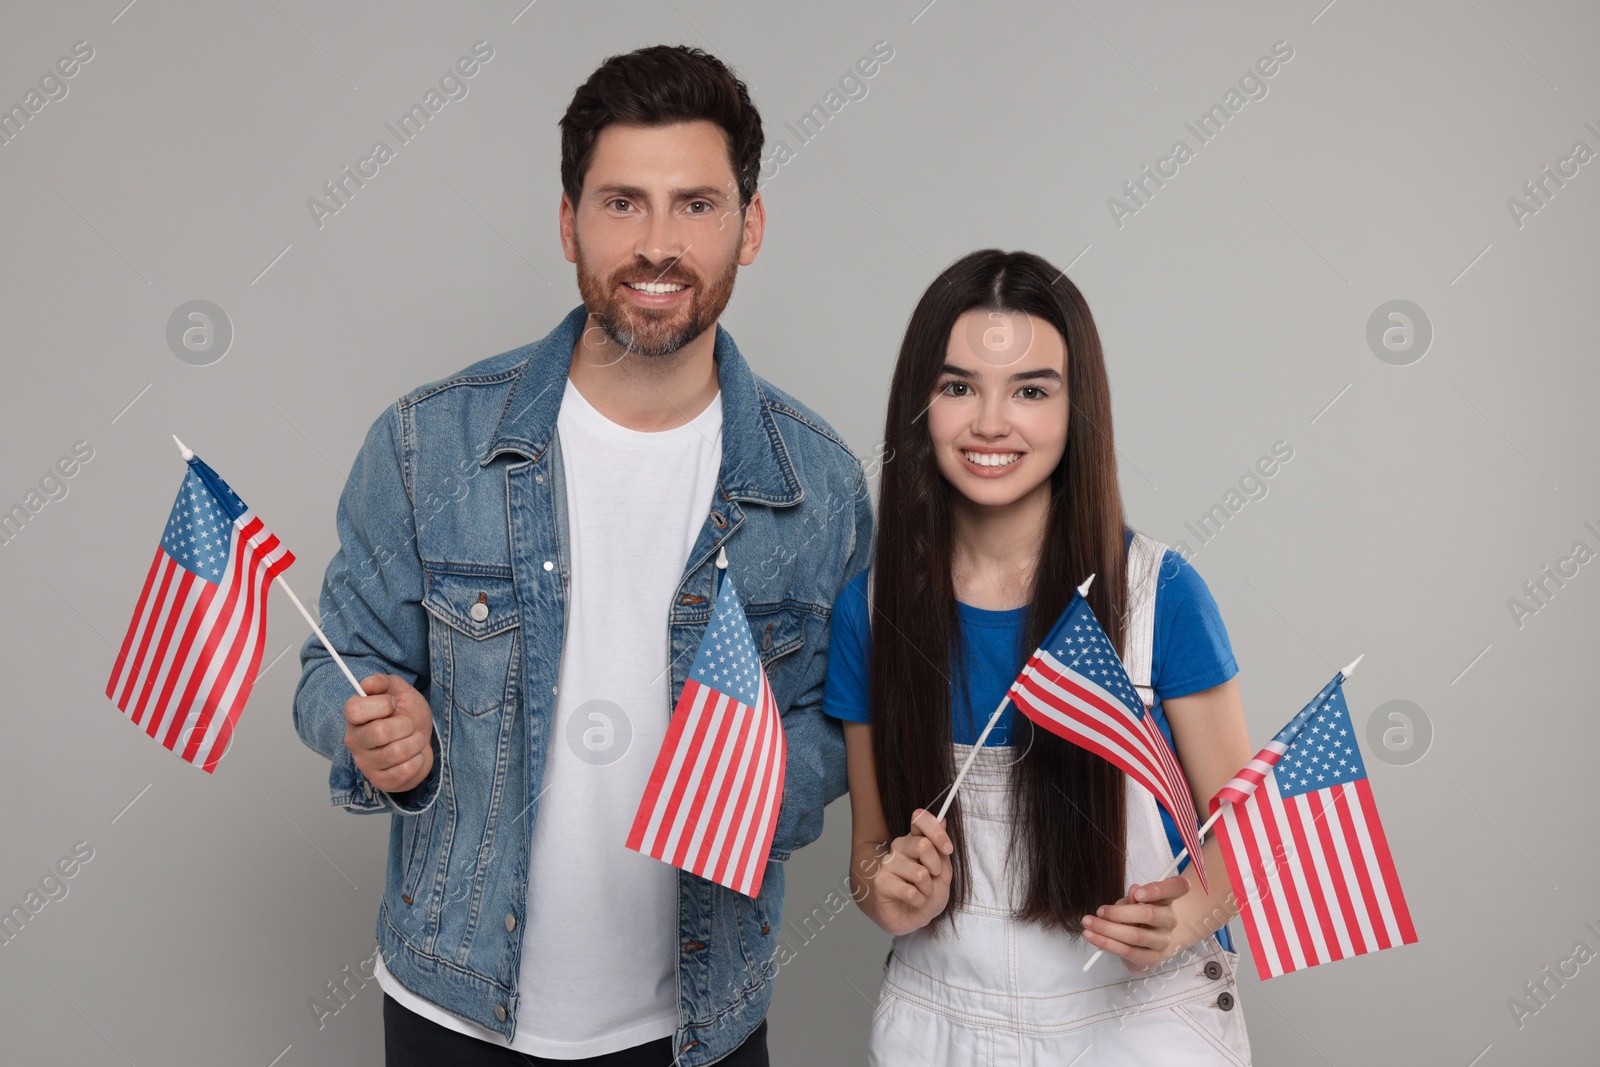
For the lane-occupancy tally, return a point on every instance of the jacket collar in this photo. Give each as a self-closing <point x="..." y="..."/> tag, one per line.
<point x="755" y="461"/>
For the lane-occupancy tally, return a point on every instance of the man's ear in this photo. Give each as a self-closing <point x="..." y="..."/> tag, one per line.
<point x="755" y="226"/>
<point x="567" y="215"/>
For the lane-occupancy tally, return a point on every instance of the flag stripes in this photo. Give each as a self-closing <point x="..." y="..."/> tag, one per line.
<point x="712" y="801"/>
<point x="1066" y="702"/>
<point x="1310" y="861"/>
<point x="193" y="647"/>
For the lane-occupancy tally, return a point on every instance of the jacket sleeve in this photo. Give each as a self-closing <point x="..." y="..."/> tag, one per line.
<point x="371" y="607"/>
<point x="815" y="741"/>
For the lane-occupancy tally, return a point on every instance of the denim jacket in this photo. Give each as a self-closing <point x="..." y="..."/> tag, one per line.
<point x="452" y="572"/>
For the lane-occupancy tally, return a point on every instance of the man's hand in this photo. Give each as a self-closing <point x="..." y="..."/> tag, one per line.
<point x="390" y="732"/>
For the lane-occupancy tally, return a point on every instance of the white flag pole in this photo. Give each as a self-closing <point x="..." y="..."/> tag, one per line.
<point x="1172" y="868"/>
<point x="188" y="454"/>
<point x="1083" y="590"/>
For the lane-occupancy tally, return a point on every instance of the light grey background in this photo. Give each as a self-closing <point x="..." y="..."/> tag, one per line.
<point x="1234" y="311"/>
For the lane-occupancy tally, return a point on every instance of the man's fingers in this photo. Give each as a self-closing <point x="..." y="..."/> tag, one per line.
<point x="392" y="779"/>
<point x="377" y="683"/>
<point x="397" y="754"/>
<point x="380" y="732"/>
<point x="358" y="710"/>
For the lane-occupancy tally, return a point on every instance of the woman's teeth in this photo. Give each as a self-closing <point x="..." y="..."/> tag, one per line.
<point x="656" y="288"/>
<point x="992" y="459"/>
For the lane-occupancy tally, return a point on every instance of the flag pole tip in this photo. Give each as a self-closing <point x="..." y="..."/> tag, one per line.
<point x="183" y="449"/>
<point x="722" y="558"/>
<point x="1348" y="671"/>
<point x="1083" y="590"/>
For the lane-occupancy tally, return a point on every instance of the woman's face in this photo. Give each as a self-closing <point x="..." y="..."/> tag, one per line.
<point x="998" y="414"/>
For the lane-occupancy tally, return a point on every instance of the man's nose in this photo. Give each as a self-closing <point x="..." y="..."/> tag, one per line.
<point x="661" y="243"/>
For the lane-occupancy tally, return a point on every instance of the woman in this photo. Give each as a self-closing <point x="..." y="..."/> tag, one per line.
<point x="1001" y="496"/>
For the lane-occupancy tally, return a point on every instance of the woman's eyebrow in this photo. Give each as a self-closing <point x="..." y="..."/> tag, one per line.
<point x="1041" y="374"/>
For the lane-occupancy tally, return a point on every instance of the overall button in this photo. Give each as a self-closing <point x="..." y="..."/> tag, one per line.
<point x="1213" y="970"/>
<point x="511" y="922"/>
<point x="500" y="1012"/>
<point x="1225" y="1001"/>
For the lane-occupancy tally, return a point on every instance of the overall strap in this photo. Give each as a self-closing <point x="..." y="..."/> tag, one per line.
<point x="1144" y="568"/>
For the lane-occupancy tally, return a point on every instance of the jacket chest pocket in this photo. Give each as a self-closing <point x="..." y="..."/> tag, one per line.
<point x="777" y="629"/>
<point x="474" y="641"/>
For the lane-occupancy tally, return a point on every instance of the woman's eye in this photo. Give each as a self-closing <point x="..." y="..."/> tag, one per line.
<point x="954" y="389"/>
<point x="1030" y="392"/>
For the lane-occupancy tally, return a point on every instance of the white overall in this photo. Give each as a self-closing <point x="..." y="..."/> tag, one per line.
<point x="1005" y="992"/>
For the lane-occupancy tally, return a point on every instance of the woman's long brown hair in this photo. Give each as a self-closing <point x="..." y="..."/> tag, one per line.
<point x="1068" y="830"/>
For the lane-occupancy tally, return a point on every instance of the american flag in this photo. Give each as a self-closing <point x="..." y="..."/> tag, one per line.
<point x="712" y="801"/>
<point x="1304" y="847"/>
<point x="193" y="648"/>
<point x="1074" y="685"/>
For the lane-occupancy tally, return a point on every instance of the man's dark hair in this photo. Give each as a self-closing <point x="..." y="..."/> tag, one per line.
<point x="658" y="86"/>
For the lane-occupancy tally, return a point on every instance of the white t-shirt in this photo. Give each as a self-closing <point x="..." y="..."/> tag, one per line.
<point x="600" y="939"/>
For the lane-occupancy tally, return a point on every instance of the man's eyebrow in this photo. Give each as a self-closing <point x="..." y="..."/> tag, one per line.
<point x="634" y="192"/>
<point x="1043" y="373"/>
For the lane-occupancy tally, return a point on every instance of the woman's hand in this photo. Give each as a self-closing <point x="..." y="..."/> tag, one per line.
<point x="911" y="884"/>
<point x="1139" y="927"/>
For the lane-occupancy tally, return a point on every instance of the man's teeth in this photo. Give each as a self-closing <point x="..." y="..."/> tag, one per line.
<point x="992" y="459"/>
<point x="657" y="288"/>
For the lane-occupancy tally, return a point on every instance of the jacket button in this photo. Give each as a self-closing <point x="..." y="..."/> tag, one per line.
<point x="500" y="1012"/>
<point x="549" y="566"/>
<point x="511" y="922"/>
<point x="479" y="611"/>
<point x="1213" y="970"/>
<point x="539" y="479"/>
<point x="1225" y="1001"/>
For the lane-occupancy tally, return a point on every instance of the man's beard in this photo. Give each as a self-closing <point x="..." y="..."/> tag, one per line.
<point x="648" y="332"/>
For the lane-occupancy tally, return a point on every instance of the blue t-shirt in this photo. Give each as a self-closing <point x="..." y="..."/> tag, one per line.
<point x="1190" y="652"/>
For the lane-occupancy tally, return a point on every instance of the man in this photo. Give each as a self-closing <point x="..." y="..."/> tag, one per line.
<point x="526" y="568"/>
